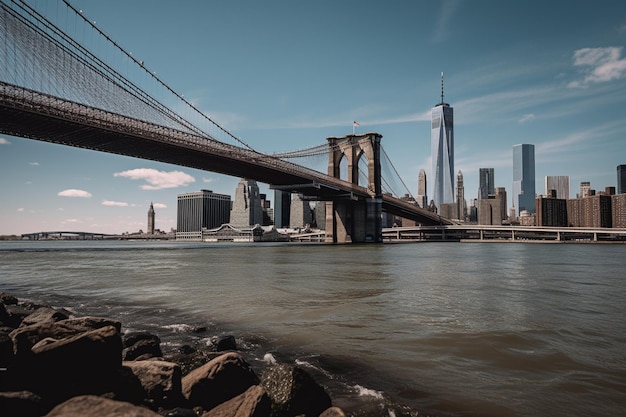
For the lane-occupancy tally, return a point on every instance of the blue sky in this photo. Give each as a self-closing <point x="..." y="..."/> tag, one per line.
<point x="285" y="75"/>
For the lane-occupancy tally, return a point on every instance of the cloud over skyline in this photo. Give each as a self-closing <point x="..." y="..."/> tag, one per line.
<point x="72" y="192"/>
<point x="157" y="180"/>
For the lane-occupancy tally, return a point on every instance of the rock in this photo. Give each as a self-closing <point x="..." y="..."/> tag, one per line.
<point x="15" y="314"/>
<point x="224" y="343"/>
<point x="93" y="406"/>
<point x="333" y="412"/>
<point x="254" y="402"/>
<point x="294" y="392"/>
<point x="7" y="299"/>
<point x="161" y="381"/>
<point x="180" y="412"/>
<point x="24" y="338"/>
<point x="219" y="380"/>
<point x="21" y="404"/>
<point x="87" y="363"/>
<point x="44" y="314"/>
<point x="141" y="344"/>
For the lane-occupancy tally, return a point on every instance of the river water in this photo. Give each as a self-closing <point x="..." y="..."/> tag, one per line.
<point x="446" y="329"/>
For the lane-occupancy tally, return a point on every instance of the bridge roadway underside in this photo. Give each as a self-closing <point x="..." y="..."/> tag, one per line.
<point x="75" y="125"/>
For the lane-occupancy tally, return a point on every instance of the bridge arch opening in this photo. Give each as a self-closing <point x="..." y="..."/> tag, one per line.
<point x="363" y="168"/>
<point x="343" y="168"/>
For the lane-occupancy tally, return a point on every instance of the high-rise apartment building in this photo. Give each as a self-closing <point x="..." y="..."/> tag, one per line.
<point x="422" y="189"/>
<point x="200" y="210"/>
<point x="524" y="178"/>
<point x="621" y="179"/>
<point x="486" y="184"/>
<point x="442" y="151"/>
<point x="559" y="183"/>
<point x="585" y="189"/>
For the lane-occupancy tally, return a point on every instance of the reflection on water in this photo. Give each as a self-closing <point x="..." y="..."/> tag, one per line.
<point x="462" y="329"/>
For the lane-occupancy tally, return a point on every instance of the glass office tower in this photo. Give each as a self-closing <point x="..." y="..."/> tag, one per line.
<point x="486" y="183"/>
<point x="442" y="152"/>
<point x="524" y="178"/>
<point x="621" y="179"/>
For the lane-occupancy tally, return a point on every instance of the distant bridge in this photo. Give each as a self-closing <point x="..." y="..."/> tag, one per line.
<point x="503" y="233"/>
<point x="64" y="235"/>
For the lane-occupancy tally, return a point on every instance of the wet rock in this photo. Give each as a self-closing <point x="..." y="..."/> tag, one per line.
<point x="7" y="299"/>
<point x="224" y="343"/>
<point x="219" y="380"/>
<point x="294" y="392"/>
<point x="142" y="345"/>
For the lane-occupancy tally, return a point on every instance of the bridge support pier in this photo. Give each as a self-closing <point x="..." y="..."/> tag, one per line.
<point x="355" y="220"/>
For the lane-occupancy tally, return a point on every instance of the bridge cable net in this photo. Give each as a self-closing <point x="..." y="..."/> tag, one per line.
<point x="51" y="47"/>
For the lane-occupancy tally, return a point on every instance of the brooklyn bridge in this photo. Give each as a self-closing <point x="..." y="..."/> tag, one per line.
<point x="54" y="88"/>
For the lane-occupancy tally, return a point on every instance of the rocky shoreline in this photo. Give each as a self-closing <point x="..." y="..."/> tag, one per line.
<point x="55" y="364"/>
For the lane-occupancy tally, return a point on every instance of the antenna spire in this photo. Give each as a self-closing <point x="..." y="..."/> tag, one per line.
<point x="441" y="87"/>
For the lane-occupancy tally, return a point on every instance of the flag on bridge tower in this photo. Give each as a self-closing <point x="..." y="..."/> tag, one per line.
<point x="355" y="124"/>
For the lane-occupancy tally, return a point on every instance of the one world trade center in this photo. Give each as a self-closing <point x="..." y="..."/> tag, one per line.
<point x="442" y="148"/>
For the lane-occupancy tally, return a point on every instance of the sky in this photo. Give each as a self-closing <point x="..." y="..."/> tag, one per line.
<point x="285" y="75"/>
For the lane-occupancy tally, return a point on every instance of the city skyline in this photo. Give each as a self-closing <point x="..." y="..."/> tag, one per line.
<point x="560" y="86"/>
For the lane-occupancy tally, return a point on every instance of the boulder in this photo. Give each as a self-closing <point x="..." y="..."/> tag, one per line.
<point x="87" y="363"/>
<point x="21" y="404"/>
<point x="333" y="412"/>
<point x="223" y="343"/>
<point x="161" y="381"/>
<point x="24" y="338"/>
<point x="93" y="406"/>
<point x="142" y="345"/>
<point x="219" y="380"/>
<point x="294" y="392"/>
<point x="254" y="402"/>
<point x="44" y="314"/>
<point x="7" y="299"/>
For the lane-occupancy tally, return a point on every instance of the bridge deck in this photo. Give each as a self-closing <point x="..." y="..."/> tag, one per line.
<point x="30" y="114"/>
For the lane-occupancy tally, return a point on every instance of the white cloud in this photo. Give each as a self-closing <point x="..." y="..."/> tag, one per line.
<point x="33" y="163"/>
<point x="114" y="203"/>
<point x="159" y="206"/>
<point x="527" y="118"/>
<point x="157" y="180"/>
<point x="4" y="141"/>
<point x="74" y="193"/>
<point x="21" y="209"/>
<point x="207" y="180"/>
<point x="599" y="65"/>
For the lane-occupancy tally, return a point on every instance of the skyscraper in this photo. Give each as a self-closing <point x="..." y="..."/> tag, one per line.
<point x="524" y="178"/>
<point x="422" y="194"/>
<point x="560" y="183"/>
<point x="621" y="179"/>
<point x="200" y="210"/>
<point x="246" y="210"/>
<point x="460" y="197"/>
<point x="486" y="185"/>
<point x="442" y="151"/>
<point x="151" y="220"/>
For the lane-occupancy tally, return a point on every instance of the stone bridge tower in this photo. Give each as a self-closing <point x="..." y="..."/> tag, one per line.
<point x="352" y="219"/>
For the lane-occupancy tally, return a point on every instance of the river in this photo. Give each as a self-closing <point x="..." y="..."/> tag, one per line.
<point x="445" y="329"/>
